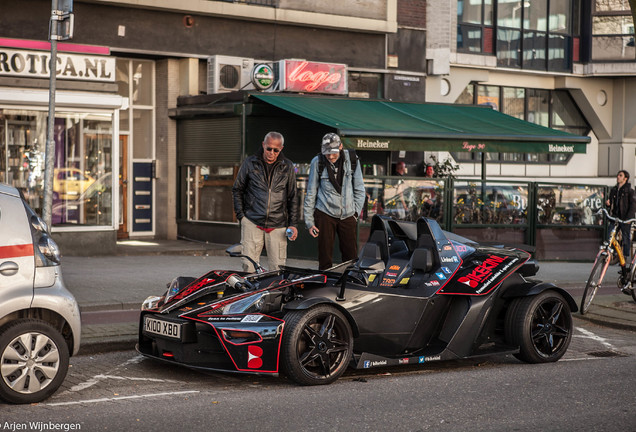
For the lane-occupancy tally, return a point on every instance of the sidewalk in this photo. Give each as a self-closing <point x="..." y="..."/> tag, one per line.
<point x="110" y="289"/>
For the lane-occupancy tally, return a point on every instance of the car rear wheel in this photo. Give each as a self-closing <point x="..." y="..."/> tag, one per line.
<point x="33" y="361"/>
<point x="317" y="345"/>
<point x="541" y="327"/>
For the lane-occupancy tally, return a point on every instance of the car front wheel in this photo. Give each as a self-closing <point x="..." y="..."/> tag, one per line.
<point x="317" y="345"/>
<point x="541" y="327"/>
<point x="33" y="361"/>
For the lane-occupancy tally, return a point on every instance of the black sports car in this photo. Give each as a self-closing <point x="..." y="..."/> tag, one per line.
<point x="416" y="294"/>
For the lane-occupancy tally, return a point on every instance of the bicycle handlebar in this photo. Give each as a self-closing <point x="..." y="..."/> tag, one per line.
<point x="615" y="219"/>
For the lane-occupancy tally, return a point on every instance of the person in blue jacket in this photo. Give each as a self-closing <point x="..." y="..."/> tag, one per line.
<point x="334" y="200"/>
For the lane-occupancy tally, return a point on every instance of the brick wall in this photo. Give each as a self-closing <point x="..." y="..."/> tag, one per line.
<point x="411" y="13"/>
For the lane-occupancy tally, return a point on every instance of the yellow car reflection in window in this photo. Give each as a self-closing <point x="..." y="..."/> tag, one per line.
<point x="69" y="183"/>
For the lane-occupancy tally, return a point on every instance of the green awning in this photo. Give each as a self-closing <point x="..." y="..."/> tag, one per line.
<point x="365" y="124"/>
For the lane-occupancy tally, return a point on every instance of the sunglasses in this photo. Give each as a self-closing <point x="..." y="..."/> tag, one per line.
<point x="271" y="149"/>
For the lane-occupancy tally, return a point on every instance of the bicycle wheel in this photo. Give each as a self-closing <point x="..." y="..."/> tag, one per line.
<point x="594" y="281"/>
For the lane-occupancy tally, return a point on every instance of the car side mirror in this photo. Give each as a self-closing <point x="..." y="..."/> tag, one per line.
<point x="235" y="251"/>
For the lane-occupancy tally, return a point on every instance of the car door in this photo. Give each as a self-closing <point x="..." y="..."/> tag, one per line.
<point x="17" y="263"/>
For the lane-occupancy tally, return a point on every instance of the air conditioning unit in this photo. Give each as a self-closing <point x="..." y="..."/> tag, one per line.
<point x="227" y="73"/>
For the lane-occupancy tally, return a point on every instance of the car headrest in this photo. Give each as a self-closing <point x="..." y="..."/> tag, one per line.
<point x="422" y="260"/>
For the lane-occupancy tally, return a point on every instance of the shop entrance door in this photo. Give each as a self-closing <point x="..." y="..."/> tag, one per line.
<point x="122" y="233"/>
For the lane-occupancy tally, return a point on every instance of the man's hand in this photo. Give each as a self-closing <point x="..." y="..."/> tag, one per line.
<point x="294" y="235"/>
<point x="314" y="231"/>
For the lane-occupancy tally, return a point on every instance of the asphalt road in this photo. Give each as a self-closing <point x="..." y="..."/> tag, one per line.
<point x="591" y="389"/>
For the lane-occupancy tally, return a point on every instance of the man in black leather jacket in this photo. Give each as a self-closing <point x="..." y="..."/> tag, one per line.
<point x="622" y="206"/>
<point x="265" y="203"/>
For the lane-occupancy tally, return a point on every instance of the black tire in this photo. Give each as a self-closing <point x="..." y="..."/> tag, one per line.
<point x="541" y="327"/>
<point x="509" y="321"/>
<point x="593" y="283"/>
<point x="317" y="345"/>
<point x="33" y="360"/>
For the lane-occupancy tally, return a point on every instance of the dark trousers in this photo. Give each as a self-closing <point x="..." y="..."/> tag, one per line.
<point x="626" y="241"/>
<point x="329" y="227"/>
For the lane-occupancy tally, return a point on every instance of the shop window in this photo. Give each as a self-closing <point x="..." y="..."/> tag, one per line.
<point x="569" y="205"/>
<point x="489" y="203"/>
<point x="82" y="175"/>
<point x="209" y="191"/>
<point x="404" y="199"/>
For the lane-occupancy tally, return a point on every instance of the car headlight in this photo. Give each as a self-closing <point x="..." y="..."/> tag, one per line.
<point x="250" y="304"/>
<point x="39" y="224"/>
<point x="49" y="248"/>
<point x="177" y="285"/>
<point x="151" y="303"/>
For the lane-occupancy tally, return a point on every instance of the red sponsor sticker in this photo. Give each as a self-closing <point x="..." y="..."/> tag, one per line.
<point x="254" y="354"/>
<point x="481" y="272"/>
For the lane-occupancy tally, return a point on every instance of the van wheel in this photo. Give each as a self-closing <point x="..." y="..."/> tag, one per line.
<point x="33" y="361"/>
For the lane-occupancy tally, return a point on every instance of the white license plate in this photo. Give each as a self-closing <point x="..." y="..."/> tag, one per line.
<point x="163" y="328"/>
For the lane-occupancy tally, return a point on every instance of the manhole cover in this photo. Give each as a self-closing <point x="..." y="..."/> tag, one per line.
<point x="606" y="354"/>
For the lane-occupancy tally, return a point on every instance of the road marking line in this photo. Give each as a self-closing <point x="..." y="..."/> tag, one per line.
<point x="582" y="358"/>
<point x="159" y="380"/>
<point x="589" y="335"/>
<point x="94" y="380"/>
<point x="114" y="399"/>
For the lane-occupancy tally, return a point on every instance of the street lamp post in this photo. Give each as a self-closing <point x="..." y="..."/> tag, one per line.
<point x="60" y="28"/>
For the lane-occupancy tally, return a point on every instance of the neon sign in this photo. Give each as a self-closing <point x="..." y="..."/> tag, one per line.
<point x="313" y="77"/>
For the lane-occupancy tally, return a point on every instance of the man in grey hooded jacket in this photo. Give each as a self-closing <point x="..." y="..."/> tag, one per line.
<point x="334" y="201"/>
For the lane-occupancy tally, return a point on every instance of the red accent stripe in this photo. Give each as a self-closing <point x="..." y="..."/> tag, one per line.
<point x="46" y="46"/>
<point x="15" y="251"/>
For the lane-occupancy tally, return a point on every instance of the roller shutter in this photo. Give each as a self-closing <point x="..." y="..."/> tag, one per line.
<point x="209" y="141"/>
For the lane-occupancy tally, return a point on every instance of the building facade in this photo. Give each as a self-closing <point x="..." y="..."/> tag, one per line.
<point x="121" y="168"/>
<point x="566" y="64"/>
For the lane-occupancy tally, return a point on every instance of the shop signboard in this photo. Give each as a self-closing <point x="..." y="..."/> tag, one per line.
<point x="35" y="64"/>
<point x="313" y="77"/>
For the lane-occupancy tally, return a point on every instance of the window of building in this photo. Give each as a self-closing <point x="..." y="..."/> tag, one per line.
<point x="135" y="80"/>
<point x="550" y="108"/>
<point x="474" y="26"/>
<point x="535" y="34"/>
<point x="612" y="31"/>
<point x="82" y="175"/>
<point x="209" y="192"/>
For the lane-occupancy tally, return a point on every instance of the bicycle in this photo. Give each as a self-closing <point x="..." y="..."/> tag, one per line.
<point x="609" y="249"/>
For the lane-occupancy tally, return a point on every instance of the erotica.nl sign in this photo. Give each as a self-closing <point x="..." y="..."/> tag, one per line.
<point x="35" y="64"/>
<point x="313" y="77"/>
